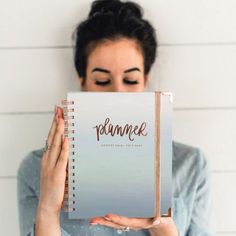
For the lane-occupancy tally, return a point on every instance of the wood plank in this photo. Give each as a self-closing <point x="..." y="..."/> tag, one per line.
<point x="201" y="76"/>
<point x="35" y="80"/>
<point x="192" y="22"/>
<point x="44" y="23"/>
<point x="39" y="23"/>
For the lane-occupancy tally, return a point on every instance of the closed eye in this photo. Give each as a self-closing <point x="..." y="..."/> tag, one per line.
<point x="102" y="83"/>
<point x="130" y="81"/>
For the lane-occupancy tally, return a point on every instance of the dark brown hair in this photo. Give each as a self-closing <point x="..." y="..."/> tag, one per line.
<point x="110" y="20"/>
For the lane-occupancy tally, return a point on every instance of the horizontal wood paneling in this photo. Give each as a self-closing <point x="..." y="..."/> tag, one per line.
<point x="200" y="76"/>
<point x="223" y="203"/>
<point x="50" y="23"/>
<point x="35" y="80"/>
<point x="214" y="132"/>
<point x="204" y="76"/>
<point x="186" y="22"/>
<point x="39" y="23"/>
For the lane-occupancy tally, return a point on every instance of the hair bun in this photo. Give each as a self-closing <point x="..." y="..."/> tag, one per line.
<point x="115" y="7"/>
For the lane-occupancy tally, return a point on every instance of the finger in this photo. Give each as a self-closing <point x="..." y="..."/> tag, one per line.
<point x="131" y="222"/>
<point x="157" y="221"/>
<point x="162" y="220"/>
<point x="56" y="145"/>
<point x="60" y="112"/>
<point x="102" y="221"/>
<point x="53" y="127"/>
<point x="62" y="161"/>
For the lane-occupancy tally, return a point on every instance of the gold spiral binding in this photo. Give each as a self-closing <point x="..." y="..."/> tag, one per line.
<point x="68" y="204"/>
<point x="65" y="109"/>
<point x="66" y="102"/>
<point x="68" y="117"/>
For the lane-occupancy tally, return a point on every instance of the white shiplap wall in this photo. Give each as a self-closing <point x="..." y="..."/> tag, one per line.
<point x="197" y="61"/>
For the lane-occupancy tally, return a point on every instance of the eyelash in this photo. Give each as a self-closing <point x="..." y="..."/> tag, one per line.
<point x="104" y="83"/>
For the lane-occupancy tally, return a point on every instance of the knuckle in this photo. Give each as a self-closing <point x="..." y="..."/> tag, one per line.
<point x="56" y="145"/>
<point x="65" y="148"/>
<point x="113" y="217"/>
<point x="60" y="127"/>
<point x="63" y="158"/>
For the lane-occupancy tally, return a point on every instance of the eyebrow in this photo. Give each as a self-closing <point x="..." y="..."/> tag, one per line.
<point x="108" y="72"/>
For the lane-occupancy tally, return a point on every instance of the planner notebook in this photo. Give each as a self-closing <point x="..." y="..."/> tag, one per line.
<point x="120" y="157"/>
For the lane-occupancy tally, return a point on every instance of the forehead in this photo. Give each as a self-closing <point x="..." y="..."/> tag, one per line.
<point x="121" y="53"/>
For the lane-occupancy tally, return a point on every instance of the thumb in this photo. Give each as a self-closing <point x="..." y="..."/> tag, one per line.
<point x="156" y="221"/>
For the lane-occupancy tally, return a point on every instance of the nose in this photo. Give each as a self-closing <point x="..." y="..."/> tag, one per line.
<point x="117" y="89"/>
<point x="117" y="85"/>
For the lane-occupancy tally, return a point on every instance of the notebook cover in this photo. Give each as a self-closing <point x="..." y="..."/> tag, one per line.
<point x="120" y="173"/>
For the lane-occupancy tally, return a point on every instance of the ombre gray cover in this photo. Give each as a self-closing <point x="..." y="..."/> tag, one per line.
<point x="115" y="174"/>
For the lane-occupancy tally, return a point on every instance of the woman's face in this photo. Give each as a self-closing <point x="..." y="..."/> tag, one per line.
<point x="115" y="66"/>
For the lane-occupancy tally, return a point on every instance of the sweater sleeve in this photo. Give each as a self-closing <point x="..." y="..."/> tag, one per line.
<point x="27" y="198"/>
<point x="201" y="221"/>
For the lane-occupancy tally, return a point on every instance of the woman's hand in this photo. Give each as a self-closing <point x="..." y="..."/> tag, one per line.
<point x="52" y="178"/>
<point x="163" y="226"/>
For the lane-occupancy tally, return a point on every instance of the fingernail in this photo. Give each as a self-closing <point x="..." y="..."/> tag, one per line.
<point x="94" y="223"/>
<point x="107" y="218"/>
<point x="156" y="222"/>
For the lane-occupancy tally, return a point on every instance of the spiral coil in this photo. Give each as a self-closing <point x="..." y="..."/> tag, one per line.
<point x="69" y="195"/>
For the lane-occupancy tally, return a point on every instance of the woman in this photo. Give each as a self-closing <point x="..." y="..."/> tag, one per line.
<point x="114" y="51"/>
